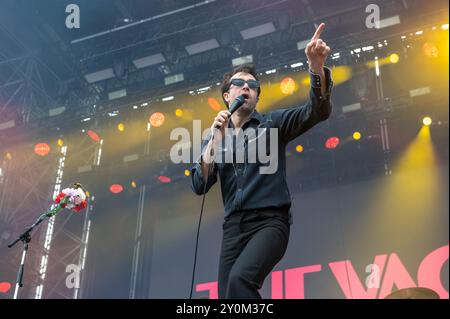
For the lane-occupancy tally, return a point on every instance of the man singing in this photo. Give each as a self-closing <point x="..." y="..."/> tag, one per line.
<point x="257" y="206"/>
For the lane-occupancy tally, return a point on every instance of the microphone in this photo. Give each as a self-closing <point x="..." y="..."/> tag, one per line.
<point x="235" y="105"/>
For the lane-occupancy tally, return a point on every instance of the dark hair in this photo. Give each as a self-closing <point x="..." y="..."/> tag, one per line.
<point x="246" y="68"/>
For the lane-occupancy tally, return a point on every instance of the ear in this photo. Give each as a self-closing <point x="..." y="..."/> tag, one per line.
<point x="226" y="96"/>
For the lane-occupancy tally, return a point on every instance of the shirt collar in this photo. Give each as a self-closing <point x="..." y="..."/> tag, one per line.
<point x="254" y="117"/>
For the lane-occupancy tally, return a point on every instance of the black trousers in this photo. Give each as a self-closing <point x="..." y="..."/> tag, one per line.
<point x="253" y="243"/>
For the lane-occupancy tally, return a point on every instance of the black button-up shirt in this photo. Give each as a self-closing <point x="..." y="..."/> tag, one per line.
<point x="243" y="186"/>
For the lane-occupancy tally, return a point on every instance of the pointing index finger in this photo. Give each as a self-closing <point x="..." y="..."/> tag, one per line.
<point x="318" y="32"/>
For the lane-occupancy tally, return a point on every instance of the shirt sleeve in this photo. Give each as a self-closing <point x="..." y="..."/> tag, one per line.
<point x="197" y="181"/>
<point x="293" y="122"/>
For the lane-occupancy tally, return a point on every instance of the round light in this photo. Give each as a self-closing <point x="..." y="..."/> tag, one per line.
<point x="332" y="142"/>
<point x="287" y="86"/>
<point x="394" y="58"/>
<point x="214" y="104"/>
<point x="430" y="50"/>
<point x="121" y="127"/>
<point x="115" y="188"/>
<point x="356" y="136"/>
<point x="427" y="121"/>
<point x="179" y="112"/>
<point x="187" y="172"/>
<point x="157" y="119"/>
<point x="133" y="184"/>
<point x="94" y="136"/>
<point x="299" y="148"/>
<point x="42" y="149"/>
<point x="164" y="179"/>
<point x="8" y="156"/>
<point x="60" y="142"/>
<point x="4" y="287"/>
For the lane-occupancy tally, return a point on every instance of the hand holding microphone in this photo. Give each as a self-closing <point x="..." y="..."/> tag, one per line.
<point x="219" y="125"/>
<point x="222" y="118"/>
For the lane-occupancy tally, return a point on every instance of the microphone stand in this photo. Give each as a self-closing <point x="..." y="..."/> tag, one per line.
<point x="25" y="237"/>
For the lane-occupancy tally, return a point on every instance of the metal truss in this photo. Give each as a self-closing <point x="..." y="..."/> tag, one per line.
<point x="169" y="33"/>
<point x="71" y="234"/>
<point x="26" y="190"/>
<point x="25" y="194"/>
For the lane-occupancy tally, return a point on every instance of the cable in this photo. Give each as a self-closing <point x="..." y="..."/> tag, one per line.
<point x="199" y="223"/>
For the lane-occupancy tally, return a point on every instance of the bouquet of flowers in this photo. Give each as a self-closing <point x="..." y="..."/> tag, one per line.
<point x="72" y="198"/>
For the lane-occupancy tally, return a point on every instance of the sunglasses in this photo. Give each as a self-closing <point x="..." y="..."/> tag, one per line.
<point x="253" y="84"/>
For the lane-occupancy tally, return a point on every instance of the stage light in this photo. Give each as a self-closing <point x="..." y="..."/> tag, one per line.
<point x="296" y="65"/>
<point x="299" y="148"/>
<point x="201" y="90"/>
<point x="164" y="179"/>
<point x="133" y="184"/>
<point x="394" y="58"/>
<point x="157" y="119"/>
<point x="121" y="127"/>
<point x="168" y="98"/>
<point x="377" y="66"/>
<point x="60" y="142"/>
<point x="430" y="50"/>
<point x="356" y="136"/>
<point x="94" y="136"/>
<point x="116" y="188"/>
<point x="4" y="287"/>
<point x="214" y="104"/>
<point x="8" y="156"/>
<point x="187" y="172"/>
<point x="445" y="26"/>
<point x="179" y="112"/>
<point x="287" y="86"/>
<point x="42" y="149"/>
<point x="427" y="121"/>
<point x="172" y="78"/>
<point x="332" y="142"/>
<point x="336" y="56"/>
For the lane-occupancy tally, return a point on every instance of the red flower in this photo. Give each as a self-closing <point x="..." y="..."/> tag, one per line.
<point x="79" y="207"/>
<point x="59" y="198"/>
